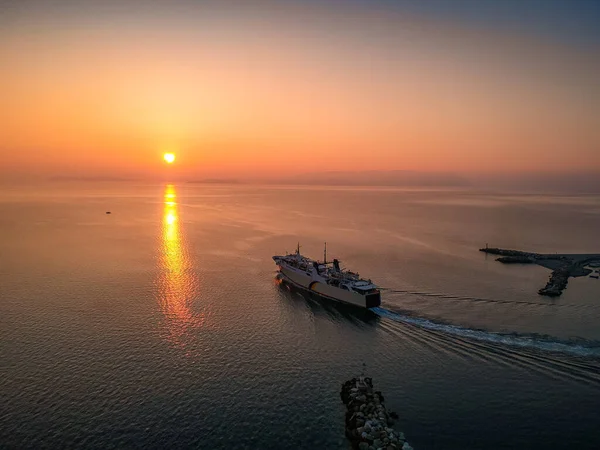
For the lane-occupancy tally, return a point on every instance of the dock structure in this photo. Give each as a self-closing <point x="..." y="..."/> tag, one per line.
<point x="563" y="265"/>
<point x="368" y="423"/>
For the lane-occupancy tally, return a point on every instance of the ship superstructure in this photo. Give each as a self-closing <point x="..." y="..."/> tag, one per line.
<point x="328" y="279"/>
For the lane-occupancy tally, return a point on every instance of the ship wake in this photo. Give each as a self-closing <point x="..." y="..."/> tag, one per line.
<point x="581" y="348"/>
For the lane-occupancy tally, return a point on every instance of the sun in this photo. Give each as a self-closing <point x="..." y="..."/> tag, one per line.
<point x="169" y="157"/>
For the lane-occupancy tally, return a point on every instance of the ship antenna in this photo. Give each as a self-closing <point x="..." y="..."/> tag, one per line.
<point x="298" y="249"/>
<point x="325" y="254"/>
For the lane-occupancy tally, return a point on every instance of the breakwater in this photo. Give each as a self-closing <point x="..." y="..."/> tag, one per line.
<point x="368" y="423"/>
<point x="563" y="266"/>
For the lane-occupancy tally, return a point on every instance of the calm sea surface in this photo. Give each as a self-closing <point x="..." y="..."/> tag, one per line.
<point x="161" y="325"/>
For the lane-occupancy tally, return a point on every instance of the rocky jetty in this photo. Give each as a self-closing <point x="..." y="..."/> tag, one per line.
<point x="563" y="266"/>
<point x="368" y="423"/>
<point x="557" y="282"/>
<point x="515" y="260"/>
<point x="529" y="256"/>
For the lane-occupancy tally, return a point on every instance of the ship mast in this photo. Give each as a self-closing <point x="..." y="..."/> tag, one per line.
<point x="325" y="254"/>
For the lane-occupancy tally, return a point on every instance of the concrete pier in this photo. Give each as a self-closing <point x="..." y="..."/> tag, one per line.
<point x="562" y="265"/>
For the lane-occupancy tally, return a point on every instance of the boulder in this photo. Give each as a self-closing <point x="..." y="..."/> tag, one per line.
<point x="368" y="423"/>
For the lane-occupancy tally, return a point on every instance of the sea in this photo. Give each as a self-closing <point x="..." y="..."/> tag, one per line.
<point x="164" y="325"/>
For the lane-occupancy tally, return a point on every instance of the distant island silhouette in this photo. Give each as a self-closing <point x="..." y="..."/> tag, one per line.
<point x="551" y="183"/>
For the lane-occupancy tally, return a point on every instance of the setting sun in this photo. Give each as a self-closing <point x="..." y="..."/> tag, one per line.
<point x="169" y="157"/>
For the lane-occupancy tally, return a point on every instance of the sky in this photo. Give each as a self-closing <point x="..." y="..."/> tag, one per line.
<point x="261" y="88"/>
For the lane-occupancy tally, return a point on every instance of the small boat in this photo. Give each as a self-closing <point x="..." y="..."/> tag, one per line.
<point x="594" y="276"/>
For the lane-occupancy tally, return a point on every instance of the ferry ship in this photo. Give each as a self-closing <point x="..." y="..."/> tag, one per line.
<point x="328" y="280"/>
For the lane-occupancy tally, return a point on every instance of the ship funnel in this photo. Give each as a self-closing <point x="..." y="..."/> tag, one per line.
<point x="336" y="265"/>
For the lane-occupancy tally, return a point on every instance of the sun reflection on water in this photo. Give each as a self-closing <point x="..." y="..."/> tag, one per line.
<point x="178" y="284"/>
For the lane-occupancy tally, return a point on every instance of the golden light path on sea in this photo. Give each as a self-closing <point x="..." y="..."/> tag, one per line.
<point x="178" y="283"/>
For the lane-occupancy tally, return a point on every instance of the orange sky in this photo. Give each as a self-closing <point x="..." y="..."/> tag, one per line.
<point x="237" y="90"/>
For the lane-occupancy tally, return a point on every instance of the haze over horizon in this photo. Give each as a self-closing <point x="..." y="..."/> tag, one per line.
<point x="264" y="88"/>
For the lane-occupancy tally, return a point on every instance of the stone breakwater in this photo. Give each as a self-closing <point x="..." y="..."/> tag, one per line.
<point x="563" y="266"/>
<point x="368" y="424"/>
<point x="558" y="281"/>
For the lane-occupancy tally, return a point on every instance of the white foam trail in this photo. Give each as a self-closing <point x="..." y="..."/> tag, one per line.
<point x="515" y="341"/>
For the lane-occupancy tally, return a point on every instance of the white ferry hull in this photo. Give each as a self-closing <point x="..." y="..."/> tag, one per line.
<point x="303" y="280"/>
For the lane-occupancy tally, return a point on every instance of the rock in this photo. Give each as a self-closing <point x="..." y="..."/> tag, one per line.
<point x="367" y="420"/>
